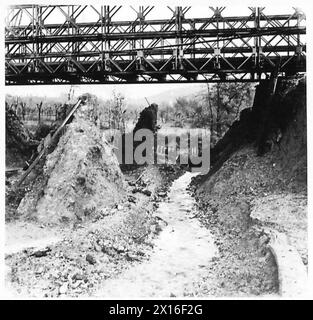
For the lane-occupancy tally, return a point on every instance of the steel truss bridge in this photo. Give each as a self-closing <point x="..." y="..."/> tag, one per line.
<point x="83" y="44"/>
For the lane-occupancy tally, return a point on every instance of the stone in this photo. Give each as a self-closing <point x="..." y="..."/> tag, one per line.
<point x="63" y="288"/>
<point x="40" y="270"/>
<point x="41" y="253"/>
<point x="78" y="277"/>
<point x="76" y="284"/>
<point x="131" y="199"/>
<point x="91" y="259"/>
<point x="146" y="192"/>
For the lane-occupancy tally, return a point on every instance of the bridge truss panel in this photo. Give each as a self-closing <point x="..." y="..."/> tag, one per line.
<point x="58" y="44"/>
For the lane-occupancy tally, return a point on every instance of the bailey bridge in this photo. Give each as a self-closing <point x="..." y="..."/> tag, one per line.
<point x="86" y="44"/>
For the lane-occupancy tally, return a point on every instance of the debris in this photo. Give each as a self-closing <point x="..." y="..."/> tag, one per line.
<point x="91" y="259"/>
<point x="131" y="257"/>
<point x="76" y="284"/>
<point x="63" y="289"/>
<point x="119" y="249"/>
<point x="78" y="277"/>
<point x="135" y="190"/>
<point x="108" y="250"/>
<point x="131" y="199"/>
<point x="40" y="270"/>
<point x="162" y="194"/>
<point x="146" y="192"/>
<point x="41" y="253"/>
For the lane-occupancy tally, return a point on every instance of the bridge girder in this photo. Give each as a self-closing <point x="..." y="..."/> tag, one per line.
<point x="57" y="45"/>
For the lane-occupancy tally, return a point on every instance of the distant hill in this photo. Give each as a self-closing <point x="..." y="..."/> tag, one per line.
<point x="169" y="96"/>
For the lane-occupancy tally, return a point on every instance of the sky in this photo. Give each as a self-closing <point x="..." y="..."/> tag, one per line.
<point x="132" y="92"/>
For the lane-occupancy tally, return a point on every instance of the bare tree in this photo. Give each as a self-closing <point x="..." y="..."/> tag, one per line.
<point x="39" y="107"/>
<point x="23" y="107"/>
<point x="210" y="108"/>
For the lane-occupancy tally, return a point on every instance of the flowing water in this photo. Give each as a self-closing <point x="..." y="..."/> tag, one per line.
<point x="181" y="252"/>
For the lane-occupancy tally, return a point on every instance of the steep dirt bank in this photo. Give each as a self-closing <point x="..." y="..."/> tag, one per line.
<point x="258" y="178"/>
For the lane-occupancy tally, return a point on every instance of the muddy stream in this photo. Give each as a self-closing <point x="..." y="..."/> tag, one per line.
<point x="181" y="252"/>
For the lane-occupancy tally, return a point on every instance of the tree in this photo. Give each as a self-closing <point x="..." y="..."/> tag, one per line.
<point x="39" y="107"/>
<point x="215" y="108"/>
<point x="117" y="112"/>
<point x="23" y="108"/>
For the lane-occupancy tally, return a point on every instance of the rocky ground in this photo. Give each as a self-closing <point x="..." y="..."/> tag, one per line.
<point x="93" y="251"/>
<point x="245" y="266"/>
<point x="239" y="201"/>
<point x="247" y="191"/>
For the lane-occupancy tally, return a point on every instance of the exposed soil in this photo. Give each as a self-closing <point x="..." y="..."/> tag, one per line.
<point x="181" y="253"/>
<point x="245" y="266"/>
<point x="90" y="252"/>
<point x="258" y="178"/>
<point x="287" y="213"/>
<point x="78" y="179"/>
<point x="84" y="228"/>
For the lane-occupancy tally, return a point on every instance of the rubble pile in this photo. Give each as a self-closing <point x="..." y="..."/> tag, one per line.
<point x="80" y="178"/>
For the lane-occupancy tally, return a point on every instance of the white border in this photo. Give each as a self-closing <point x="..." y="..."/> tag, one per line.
<point x="306" y="6"/>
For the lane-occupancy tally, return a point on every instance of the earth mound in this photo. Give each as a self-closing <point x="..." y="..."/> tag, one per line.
<point x="79" y="179"/>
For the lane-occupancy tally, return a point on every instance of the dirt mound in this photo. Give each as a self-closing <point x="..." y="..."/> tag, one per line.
<point x="80" y="177"/>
